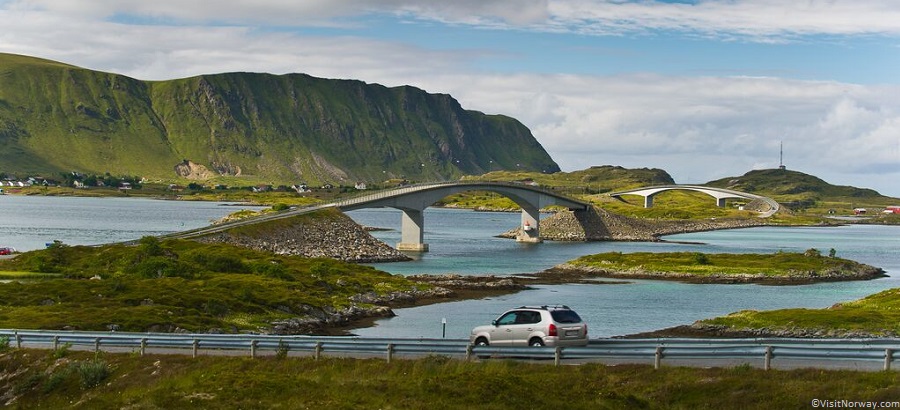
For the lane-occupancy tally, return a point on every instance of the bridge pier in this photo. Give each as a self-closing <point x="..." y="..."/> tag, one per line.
<point x="720" y="202"/>
<point x="412" y="231"/>
<point x="530" y="224"/>
<point x="648" y="201"/>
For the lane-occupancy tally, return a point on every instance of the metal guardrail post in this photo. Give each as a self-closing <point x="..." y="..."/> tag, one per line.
<point x="253" y="349"/>
<point x="657" y="360"/>
<point x="768" y="361"/>
<point x="888" y="357"/>
<point x="557" y="356"/>
<point x="196" y="347"/>
<point x="390" y="352"/>
<point x="318" y="350"/>
<point x="18" y="341"/>
<point x="55" y="342"/>
<point x="96" y="344"/>
<point x="469" y="352"/>
<point x="143" y="346"/>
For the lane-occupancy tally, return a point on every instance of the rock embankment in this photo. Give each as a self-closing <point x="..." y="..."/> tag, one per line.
<point x="597" y="224"/>
<point x="323" y="234"/>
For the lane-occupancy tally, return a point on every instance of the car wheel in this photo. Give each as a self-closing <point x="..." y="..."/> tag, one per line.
<point x="481" y="342"/>
<point x="535" y="342"/>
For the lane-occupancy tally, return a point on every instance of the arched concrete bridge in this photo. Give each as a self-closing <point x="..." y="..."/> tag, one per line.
<point x="720" y="194"/>
<point x="412" y="201"/>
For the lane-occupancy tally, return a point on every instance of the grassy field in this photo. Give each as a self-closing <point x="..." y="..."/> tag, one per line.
<point x="16" y="275"/>
<point x="63" y="379"/>
<point x="178" y="284"/>
<point x="779" y="264"/>
<point x="875" y="314"/>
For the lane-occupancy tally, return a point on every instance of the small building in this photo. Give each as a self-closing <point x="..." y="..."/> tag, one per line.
<point x="360" y="186"/>
<point x="859" y="211"/>
<point x="892" y="209"/>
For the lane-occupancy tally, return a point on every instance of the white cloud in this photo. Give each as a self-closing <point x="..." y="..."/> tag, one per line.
<point x="697" y="128"/>
<point x="753" y="18"/>
<point x="700" y="129"/>
<point x="766" y="20"/>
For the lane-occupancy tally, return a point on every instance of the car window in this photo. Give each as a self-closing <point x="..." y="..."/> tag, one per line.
<point x="507" y="319"/>
<point x="565" y="316"/>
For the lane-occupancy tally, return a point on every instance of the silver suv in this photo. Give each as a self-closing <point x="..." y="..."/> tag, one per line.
<point x="533" y="326"/>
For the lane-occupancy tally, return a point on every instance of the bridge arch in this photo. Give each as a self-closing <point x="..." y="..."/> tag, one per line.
<point x="720" y="194"/>
<point x="412" y="201"/>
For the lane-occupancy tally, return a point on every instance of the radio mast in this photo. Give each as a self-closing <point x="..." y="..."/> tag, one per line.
<point x="781" y="156"/>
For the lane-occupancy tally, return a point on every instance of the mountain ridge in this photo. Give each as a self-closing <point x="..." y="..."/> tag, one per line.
<point x="56" y="117"/>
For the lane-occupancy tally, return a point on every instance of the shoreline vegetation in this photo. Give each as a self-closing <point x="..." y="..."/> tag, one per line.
<point x="780" y="268"/>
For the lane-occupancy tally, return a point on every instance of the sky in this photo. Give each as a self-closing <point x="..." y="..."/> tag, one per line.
<point x="704" y="89"/>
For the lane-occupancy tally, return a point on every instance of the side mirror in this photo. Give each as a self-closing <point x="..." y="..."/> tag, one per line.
<point x="494" y="322"/>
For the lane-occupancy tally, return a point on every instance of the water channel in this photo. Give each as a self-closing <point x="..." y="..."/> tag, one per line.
<point x="464" y="242"/>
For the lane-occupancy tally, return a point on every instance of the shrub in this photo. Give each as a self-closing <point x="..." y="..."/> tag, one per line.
<point x="62" y="351"/>
<point x="93" y="373"/>
<point x="4" y="343"/>
<point x="149" y="246"/>
<point x="158" y="267"/>
<point x="280" y="207"/>
<point x="701" y="259"/>
<point x="282" y="351"/>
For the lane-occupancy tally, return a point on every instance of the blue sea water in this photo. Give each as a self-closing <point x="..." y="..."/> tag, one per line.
<point x="464" y="242"/>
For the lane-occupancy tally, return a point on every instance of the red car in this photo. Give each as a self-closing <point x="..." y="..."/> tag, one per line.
<point x="6" y="251"/>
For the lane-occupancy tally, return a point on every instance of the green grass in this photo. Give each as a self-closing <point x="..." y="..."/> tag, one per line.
<point x="875" y="314"/>
<point x="778" y="264"/>
<point x="18" y="275"/>
<point x="177" y="284"/>
<point x="38" y="380"/>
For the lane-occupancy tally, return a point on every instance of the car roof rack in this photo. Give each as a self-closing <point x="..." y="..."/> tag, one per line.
<point x="545" y="307"/>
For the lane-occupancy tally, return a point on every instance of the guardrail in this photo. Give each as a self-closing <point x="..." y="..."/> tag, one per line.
<point x="637" y="350"/>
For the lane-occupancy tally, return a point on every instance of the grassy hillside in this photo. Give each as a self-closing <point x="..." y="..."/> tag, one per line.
<point x="805" y="192"/>
<point x="56" y="379"/>
<point x="268" y="128"/>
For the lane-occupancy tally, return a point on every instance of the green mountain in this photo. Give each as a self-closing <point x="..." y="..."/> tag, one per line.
<point x="783" y="184"/>
<point x="57" y="118"/>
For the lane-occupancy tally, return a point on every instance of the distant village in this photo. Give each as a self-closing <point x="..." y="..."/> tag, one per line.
<point x="125" y="183"/>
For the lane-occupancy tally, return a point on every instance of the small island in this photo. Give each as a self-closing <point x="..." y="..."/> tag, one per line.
<point x="780" y="268"/>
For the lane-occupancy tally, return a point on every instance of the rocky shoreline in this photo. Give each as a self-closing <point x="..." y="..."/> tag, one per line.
<point x="325" y="234"/>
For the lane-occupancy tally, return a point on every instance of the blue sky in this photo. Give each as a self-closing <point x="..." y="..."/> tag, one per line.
<point x="703" y="89"/>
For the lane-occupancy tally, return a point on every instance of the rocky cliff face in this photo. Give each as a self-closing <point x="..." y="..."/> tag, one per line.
<point x="274" y="128"/>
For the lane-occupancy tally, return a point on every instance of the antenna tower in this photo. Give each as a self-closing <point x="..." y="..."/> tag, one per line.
<point x="781" y="156"/>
